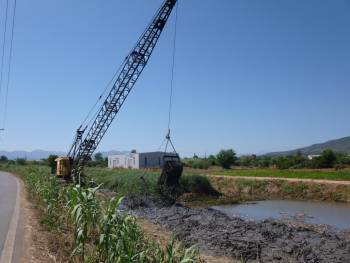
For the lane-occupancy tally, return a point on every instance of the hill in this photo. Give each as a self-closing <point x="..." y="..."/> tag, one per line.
<point x="340" y="146"/>
<point x="41" y="154"/>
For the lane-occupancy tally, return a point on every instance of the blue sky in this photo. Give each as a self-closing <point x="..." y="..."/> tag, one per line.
<point x="255" y="76"/>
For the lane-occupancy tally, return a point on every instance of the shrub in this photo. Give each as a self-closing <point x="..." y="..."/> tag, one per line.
<point x="226" y="158"/>
<point x="196" y="163"/>
<point x="3" y="159"/>
<point x="21" y="161"/>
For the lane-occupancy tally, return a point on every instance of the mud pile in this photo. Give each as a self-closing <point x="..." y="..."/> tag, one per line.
<point x="263" y="241"/>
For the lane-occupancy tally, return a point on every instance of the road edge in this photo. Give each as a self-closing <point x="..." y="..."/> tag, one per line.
<point x="9" y="245"/>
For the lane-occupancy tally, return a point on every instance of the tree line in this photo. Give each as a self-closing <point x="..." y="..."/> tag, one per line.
<point x="228" y="158"/>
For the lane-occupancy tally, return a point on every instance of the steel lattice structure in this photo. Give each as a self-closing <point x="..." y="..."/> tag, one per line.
<point x="133" y="65"/>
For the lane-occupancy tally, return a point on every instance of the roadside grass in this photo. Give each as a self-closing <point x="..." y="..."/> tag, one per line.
<point x="94" y="229"/>
<point x="343" y="175"/>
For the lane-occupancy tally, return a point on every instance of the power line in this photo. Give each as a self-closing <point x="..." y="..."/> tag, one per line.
<point x="3" y="46"/>
<point x="9" y="62"/>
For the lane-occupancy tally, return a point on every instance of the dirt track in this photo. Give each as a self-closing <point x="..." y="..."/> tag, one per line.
<point x="265" y="241"/>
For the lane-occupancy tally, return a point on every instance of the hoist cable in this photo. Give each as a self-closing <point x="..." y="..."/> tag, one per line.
<point x="167" y="138"/>
<point x="3" y="46"/>
<point x="9" y="62"/>
<point x="173" y="68"/>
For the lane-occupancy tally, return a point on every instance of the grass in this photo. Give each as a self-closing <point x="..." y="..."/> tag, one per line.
<point x="343" y="175"/>
<point x="126" y="181"/>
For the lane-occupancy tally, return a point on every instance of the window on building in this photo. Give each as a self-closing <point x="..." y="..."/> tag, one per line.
<point x="145" y="161"/>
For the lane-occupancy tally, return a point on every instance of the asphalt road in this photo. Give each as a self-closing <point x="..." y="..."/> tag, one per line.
<point x="9" y="217"/>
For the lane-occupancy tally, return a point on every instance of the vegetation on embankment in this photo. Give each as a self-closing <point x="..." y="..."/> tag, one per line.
<point x="249" y="190"/>
<point x="324" y="174"/>
<point x="127" y="181"/>
<point x="91" y="229"/>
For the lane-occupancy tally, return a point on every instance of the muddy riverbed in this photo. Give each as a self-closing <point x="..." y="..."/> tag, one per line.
<point x="268" y="240"/>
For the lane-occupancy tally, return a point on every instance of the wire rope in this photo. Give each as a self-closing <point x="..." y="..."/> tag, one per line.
<point x="173" y="69"/>
<point x="167" y="138"/>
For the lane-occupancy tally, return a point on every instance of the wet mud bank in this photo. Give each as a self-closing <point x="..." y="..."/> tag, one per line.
<point x="261" y="241"/>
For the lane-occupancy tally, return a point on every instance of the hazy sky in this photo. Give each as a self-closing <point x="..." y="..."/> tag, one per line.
<point x="251" y="75"/>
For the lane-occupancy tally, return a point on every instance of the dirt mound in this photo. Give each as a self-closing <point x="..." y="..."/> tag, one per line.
<point x="264" y="241"/>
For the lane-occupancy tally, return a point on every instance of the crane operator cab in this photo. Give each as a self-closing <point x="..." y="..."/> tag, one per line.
<point x="63" y="170"/>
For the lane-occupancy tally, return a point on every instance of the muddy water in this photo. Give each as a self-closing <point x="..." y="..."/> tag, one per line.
<point x="216" y="233"/>
<point x="336" y="215"/>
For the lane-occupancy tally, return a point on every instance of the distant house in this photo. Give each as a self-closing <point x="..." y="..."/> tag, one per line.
<point x="312" y="156"/>
<point x="136" y="160"/>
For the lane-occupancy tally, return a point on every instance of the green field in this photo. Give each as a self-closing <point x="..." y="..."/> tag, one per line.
<point x="343" y="175"/>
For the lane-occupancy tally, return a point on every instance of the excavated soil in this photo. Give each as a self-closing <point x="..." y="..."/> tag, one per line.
<point x="248" y="241"/>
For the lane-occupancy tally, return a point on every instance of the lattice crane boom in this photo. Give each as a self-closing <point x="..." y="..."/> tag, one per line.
<point x="133" y="65"/>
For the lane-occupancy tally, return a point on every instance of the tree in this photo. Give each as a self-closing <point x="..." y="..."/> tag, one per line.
<point x="245" y="161"/>
<point x="265" y="162"/>
<point x="226" y="158"/>
<point x="328" y="159"/>
<point x="212" y="160"/>
<point x="98" y="157"/>
<point x="21" y="161"/>
<point x="3" y="159"/>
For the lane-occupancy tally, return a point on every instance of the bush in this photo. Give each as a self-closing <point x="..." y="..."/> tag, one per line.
<point x="3" y="159"/>
<point x="226" y="158"/>
<point x="328" y="159"/>
<point x="212" y="160"/>
<point x="21" y="161"/>
<point x="196" y="163"/>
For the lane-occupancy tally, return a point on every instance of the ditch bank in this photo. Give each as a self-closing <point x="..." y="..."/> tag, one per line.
<point x="252" y="189"/>
<point x="249" y="241"/>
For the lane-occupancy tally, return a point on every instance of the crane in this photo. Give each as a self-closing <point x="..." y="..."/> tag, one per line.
<point x="71" y="166"/>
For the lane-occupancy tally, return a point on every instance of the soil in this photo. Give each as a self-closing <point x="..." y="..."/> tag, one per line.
<point x="216" y="234"/>
<point x="162" y="236"/>
<point x="40" y="245"/>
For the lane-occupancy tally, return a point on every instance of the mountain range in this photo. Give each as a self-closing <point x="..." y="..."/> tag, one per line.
<point x="341" y="145"/>
<point x="41" y="154"/>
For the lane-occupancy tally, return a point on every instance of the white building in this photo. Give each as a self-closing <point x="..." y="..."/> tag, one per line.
<point x="313" y="156"/>
<point x="136" y="160"/>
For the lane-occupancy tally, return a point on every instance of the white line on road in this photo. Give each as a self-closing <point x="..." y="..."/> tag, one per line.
<point x="8" y="249"/>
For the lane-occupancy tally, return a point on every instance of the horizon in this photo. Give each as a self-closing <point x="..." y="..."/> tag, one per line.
<point x="273" y="77"/>
<point x="183" y="156"/>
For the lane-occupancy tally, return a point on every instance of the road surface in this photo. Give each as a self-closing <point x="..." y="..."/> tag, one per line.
<point x="10" y="239"/>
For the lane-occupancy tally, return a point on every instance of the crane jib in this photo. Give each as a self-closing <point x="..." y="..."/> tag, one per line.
<point x="82" y="149"/>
